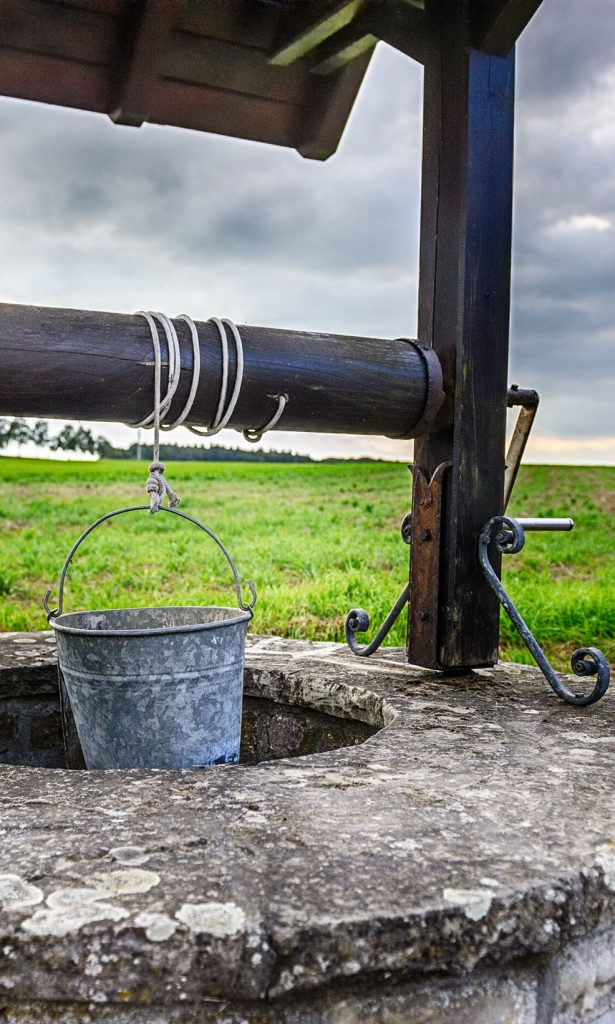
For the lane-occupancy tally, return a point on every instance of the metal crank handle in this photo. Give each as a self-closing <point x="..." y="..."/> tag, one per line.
<point x="508" y="535"/>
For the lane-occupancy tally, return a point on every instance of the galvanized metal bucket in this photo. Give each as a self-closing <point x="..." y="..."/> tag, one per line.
<point x="154" y="687"/>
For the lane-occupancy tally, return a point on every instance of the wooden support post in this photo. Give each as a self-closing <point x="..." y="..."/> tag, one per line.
<point x="464" y="297"/>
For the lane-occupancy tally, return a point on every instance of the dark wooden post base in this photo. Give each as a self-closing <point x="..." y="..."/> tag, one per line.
<point x="464" y="298"/>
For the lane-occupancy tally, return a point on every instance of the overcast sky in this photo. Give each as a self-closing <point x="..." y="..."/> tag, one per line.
<point x="106" y="217"/>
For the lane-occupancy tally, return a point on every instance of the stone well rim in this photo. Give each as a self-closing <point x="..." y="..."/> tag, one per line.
<point x="470" y="831"/>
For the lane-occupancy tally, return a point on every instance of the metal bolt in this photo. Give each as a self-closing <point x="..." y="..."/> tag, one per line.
<point x="425" y="534"/>
<point x="423" y="616"/>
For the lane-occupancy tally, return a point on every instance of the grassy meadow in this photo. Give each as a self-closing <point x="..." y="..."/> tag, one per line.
<point x="316" y="540"/>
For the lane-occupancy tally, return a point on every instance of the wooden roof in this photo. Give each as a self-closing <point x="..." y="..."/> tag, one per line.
<point x="280" y="71"/>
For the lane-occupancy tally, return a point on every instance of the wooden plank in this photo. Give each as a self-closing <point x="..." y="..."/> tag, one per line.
<point x="224" y="112"/>
<point x="78" y="364"/>
<point x="327" y="109"/>
<point x="313" y="22"/>
<point x="400" y="24"/>
<point x="234" y="21"/>
<point x="464" y="296"/>
<point x="244" y="22"/>
<point x="343" y="47"/>
<point x="224" y="65"/>
<point x="66" y="83"/>
<point x="38" y="26"/>
<point x="499" y="23"/>
<point x="86" y="87"/>
<point x="137" y="79"/>
<point x="112" y="8"/>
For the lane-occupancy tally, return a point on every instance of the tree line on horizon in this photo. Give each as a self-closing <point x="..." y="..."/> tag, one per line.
<point x="70" y="439"/>
<point x="81" y="439"/>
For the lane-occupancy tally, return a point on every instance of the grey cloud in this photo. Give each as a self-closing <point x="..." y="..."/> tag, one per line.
<point x="105" y="217"/>
<point x="563" y="322"/>
<point x="564" y="50"/>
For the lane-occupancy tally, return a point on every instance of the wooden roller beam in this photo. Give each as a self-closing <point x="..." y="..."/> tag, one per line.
<point x="76" y="364"/>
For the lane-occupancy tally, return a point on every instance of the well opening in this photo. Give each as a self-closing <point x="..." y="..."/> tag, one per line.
<point x="278" y="721"/>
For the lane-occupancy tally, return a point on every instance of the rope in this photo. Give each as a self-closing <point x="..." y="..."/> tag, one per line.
<point x="255" y="435"/>
<point x="157" y="485"/>
<point x="222" y="417"/>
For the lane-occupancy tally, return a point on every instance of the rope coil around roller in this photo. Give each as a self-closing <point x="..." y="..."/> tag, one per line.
<point x="158" y="486"/>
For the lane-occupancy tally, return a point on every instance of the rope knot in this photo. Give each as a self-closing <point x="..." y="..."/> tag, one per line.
<point x="157" y="487"/>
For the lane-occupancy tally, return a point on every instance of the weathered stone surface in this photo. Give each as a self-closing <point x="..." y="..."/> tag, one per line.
<point x="501" y="999"/>
<point x="474" y="829"/>
<point x="582" y="980"/>
<point x="24" y="661"/>
<point x="8" y="729"/>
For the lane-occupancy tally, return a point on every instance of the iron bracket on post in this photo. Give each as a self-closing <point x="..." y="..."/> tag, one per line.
<point x="429" y="494"/>
<point x="357" y="621"/>
<point x="508" y="535"/>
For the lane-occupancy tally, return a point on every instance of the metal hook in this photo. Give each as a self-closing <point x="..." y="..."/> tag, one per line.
<point x="508" y="535"/>
<point x="254" y="434"/>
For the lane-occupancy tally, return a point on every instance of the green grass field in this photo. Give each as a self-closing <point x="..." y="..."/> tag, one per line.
<point x="317" y="540"/>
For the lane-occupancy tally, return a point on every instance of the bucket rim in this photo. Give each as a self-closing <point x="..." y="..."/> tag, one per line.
<point x="197" y="627"/>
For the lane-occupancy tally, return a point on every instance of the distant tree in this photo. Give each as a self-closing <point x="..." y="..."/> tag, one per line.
<point x="39" y="433"/>
<point x="197" y="453"/>
<point x="104" y="449"/>
<point x="19" y="432"/>
<point x="74" y="439"/>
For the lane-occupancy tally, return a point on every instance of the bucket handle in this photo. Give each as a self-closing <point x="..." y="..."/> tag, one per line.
<point x="52" y="613"/>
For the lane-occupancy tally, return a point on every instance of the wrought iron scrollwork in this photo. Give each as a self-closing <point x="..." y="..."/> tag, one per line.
<point x="357" y="621"/>
<point x="508" y="535"/>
